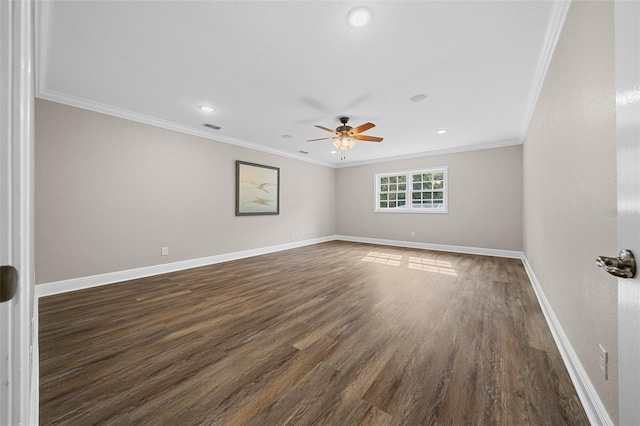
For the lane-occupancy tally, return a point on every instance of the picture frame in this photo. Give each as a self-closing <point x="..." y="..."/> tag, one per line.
<point x="257" y="189"/>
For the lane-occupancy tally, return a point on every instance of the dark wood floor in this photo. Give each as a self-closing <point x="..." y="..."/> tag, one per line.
<point x="337" y="334"/>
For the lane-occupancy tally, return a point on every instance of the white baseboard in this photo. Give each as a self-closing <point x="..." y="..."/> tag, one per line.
<point x="58" y="287"/>
<point x="439" y="247"/>
<point x="596" y="412"/>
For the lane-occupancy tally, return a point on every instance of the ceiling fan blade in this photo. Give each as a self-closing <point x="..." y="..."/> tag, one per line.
<point x="361" y="128"/>
<point x="321" y="139"/>
<point x="367" y="138"/>
<point x="325" y="128"/>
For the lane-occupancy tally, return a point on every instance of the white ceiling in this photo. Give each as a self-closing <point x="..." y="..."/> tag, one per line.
<point x="273" y="68"/>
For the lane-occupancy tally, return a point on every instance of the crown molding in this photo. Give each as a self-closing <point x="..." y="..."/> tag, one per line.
<point x="557" y="18"/>
<point x="77" y="102"/>
<point x="436" y="152"/>
<point x="42" y="30"/>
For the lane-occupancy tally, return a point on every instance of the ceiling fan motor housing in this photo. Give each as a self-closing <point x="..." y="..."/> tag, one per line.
<point x="344" y="128"/>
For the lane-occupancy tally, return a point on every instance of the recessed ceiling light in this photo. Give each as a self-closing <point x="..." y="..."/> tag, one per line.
<point x="359" y="17"/>
<point x="333" y="152"/>
<point x="206" y="108"/>
<point x="441" y="131"/>
<point x="418" y="98"/>
<point x="287" y="136"/>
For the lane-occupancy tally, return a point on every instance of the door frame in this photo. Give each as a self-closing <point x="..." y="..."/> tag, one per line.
<point x="627" y="54"/>
<point x="18" y="334"/>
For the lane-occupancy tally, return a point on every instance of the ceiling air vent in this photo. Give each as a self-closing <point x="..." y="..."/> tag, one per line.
<point x="303" y="152"/>
<point x="212" y="126"/>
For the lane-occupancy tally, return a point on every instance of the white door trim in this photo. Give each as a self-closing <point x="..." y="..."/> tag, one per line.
<point x="19" y="388"/>
<point x="627" y="41"/>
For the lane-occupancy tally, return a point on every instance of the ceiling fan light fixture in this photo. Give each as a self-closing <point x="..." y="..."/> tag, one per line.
<point x="359" y="17"/>
<point x="345" y="136"/>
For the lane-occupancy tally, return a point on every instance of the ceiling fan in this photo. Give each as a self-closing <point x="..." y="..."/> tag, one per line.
<point x="345" y="136"/>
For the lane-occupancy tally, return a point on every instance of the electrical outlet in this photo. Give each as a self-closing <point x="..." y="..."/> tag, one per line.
<point x="293" y="233"/>
<point x="164" y="251"/>
<point x="413" y="233"/>
<point x="604" y="362"/>
<point x="303" y="232"/>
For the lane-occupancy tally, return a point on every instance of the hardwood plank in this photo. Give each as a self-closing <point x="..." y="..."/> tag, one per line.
<point x="335" y="333"/>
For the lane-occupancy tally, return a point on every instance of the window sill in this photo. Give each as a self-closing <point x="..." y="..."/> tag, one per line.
<point x="415" y="211"/>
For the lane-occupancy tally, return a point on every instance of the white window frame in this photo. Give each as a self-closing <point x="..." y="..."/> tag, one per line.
<point x="408" y="207"/>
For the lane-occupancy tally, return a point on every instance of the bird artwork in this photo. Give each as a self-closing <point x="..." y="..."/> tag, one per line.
<point x="260" y="186"/>
<point x="257" y="189"/>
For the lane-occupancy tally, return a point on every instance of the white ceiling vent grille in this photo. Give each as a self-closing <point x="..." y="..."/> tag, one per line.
<point x="212" y="126"/>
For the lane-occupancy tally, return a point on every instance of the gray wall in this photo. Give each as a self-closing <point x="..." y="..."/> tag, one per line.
<point x="570" y="190"/>
<point x="485" y="201"/>
<point x="111" y="192"/>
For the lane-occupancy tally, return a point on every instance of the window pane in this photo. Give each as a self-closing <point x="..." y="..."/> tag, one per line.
<point x="421" y="190"/>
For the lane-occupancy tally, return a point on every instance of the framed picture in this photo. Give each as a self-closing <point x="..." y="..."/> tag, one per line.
<point x="257" y="189"/>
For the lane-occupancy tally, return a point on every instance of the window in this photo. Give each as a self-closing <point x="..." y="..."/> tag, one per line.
<point x="415" y="191"/>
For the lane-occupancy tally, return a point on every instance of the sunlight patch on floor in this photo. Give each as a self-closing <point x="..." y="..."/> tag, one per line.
<point x="383" y="258"/>
<point x="432" y="265"/>
<point x="415" y="263"/>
